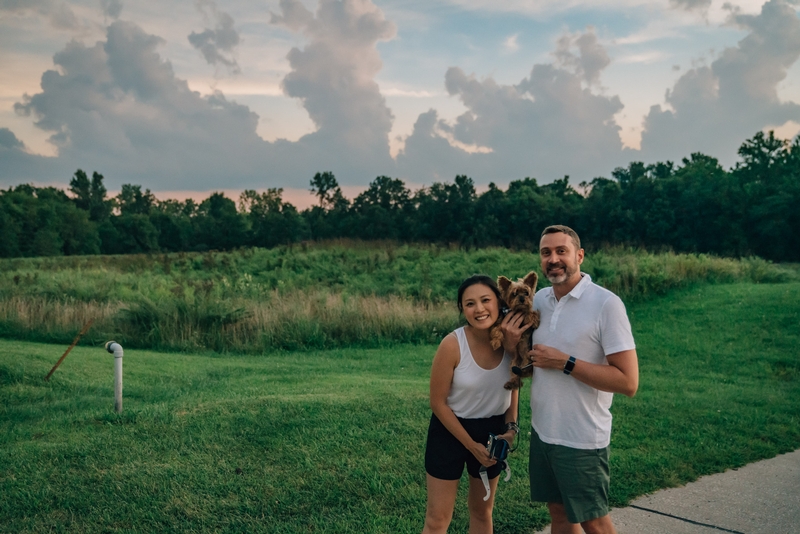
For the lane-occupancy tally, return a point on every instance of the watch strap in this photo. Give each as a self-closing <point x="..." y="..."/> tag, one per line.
<point x="569" y="365"/>
<point x="512" y="425"/>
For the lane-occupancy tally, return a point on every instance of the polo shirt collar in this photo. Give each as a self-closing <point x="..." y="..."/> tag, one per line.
<point x="579" y="288"/>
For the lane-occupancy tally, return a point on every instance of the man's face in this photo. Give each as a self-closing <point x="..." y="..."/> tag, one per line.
<point x="560" y="257"/>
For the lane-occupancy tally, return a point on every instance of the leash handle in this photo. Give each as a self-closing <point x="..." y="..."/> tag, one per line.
<point x="485" y="480"/>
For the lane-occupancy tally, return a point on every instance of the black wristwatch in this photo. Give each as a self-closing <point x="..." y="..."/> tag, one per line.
<point x="570" y="365"/>
<point x="512" y="426"/>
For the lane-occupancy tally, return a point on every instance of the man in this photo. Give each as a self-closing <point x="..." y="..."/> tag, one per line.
<point x="583" y="353"/>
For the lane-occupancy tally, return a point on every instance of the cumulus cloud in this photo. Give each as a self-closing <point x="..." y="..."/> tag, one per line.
<point x="111" y="8"/>
<point x="429" y="156"/>
<point x="591" y="58"/>
<point x="217" y="45"/>
<point x="511" y="43"/>
<point x="713" y="108"/>
<point x="691" y="5"/>
<point x="58" y="13"/>
<point x="334" y="77"/>
<point x="9" y="140"/>
<point x="117" y="106"/>
<point x="548" y="125"/>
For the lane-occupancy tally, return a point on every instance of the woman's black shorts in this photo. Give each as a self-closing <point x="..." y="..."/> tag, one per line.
<point x="445" y="456"/>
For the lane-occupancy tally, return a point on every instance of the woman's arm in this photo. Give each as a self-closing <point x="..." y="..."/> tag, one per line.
<point x="444" y="364"/>
<point x="512" y="416"/>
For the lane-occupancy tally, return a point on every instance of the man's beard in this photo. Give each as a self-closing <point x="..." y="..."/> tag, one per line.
<point x="559" y="278"/>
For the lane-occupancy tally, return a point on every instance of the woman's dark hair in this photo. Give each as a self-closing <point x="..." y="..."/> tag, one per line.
<point x="478" y="279"/>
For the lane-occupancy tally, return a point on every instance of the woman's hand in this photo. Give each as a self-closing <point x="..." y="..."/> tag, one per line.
<point x="509" y="436"/>
<point x="479" y="451"/>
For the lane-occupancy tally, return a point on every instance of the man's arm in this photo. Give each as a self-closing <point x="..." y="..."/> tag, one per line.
<point x="621" y="375"/>
<point x="512" y="328"/>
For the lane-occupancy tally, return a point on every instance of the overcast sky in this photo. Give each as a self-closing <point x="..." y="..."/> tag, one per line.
<point x="201" y="96"/>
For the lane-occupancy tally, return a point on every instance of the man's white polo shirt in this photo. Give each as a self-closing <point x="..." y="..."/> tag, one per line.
<point x="588" y="323"/>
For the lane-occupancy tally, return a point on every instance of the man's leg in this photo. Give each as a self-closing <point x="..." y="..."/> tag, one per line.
<point x="599" y="525"/>
<point x="544" y="487"/>
<point x="559" y="524"/>
<point x="583" y="479"/>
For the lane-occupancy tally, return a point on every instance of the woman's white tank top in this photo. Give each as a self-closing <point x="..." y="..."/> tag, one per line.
<point x="477" y="392"/>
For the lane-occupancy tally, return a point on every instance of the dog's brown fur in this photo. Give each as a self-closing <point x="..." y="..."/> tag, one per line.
<point x="518" y="296"/>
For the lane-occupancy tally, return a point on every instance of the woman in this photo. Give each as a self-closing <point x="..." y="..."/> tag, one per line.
<point x="468" y="402"/>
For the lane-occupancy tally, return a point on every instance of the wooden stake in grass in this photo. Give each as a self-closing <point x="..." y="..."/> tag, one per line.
<point x="74" y="342"/>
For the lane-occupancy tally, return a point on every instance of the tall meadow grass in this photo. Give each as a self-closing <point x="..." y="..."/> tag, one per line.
<point x="308" y="296"/>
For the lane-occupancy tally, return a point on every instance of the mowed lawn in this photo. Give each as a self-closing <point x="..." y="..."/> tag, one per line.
<point x="333" y="441"/>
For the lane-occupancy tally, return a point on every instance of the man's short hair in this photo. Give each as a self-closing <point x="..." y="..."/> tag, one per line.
<point x="561" y="229"/>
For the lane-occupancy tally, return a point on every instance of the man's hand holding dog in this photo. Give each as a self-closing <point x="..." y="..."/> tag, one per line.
<point x="512" y="328"/>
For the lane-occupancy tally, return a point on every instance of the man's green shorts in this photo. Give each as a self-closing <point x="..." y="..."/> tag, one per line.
<point x="578" y="478"/>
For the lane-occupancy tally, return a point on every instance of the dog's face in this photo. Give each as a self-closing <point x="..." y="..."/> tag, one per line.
<point x="518" y="295"/>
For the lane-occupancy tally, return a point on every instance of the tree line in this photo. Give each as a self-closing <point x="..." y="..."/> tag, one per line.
<point x="696" y="206"/>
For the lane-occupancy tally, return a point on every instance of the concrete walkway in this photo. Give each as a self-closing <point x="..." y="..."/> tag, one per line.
<point x="759" y="498"/>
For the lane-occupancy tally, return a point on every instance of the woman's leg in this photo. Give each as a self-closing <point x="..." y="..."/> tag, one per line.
<point x="441" y="502"/>
<point x="480" y="511"/>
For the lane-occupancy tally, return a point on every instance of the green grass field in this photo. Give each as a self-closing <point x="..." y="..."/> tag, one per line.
<point x="332" y="441"/>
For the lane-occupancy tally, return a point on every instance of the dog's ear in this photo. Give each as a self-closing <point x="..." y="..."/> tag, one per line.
<point x="531" y="280"/>
<point x="503" y="282"/>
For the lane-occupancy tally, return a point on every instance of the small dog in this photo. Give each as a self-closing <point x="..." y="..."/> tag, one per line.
<point x="518" y="297"/>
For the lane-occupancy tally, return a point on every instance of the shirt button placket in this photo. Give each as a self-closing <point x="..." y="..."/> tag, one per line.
<point x="556" y="313"/>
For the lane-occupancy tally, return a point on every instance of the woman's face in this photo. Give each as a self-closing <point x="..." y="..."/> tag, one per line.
<point x="480" y="307"/>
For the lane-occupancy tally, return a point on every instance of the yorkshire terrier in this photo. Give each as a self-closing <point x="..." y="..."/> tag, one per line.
<point x="518" y="297"/>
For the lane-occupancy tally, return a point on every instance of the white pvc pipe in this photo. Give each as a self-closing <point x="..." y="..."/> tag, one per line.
<point x="116" y="349"/>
